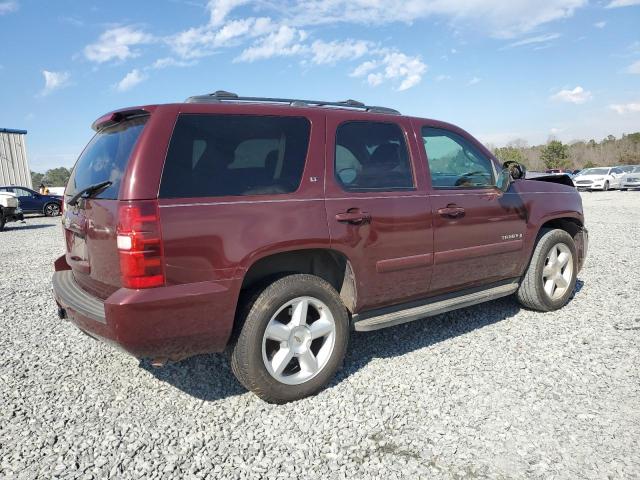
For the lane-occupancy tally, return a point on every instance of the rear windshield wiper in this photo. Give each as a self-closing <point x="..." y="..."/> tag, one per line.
<point x="88" y="191"/>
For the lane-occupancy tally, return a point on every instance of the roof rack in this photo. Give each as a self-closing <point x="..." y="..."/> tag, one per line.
<point x="223" y="96"/>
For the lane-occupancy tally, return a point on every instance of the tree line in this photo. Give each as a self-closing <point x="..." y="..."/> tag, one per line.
<point x="54" y="177"/>
<point x="574" y="155"/>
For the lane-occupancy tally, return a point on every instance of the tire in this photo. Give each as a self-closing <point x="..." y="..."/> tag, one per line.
<point x="289" y="346"/>
<point x="605" y="188"/>
<point x="2" y="220"/>
<point x="51" y="209"/>
<point x="533" y="292"/>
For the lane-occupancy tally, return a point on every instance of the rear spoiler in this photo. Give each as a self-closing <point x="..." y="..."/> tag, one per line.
<point x="113" y="118"/>
<point x="561" y="179"/>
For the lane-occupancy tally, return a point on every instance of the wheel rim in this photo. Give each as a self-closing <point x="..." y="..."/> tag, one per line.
<point x="52" y="210"/>
<point x="558" y="271"/>
<point x="299" y="340"/>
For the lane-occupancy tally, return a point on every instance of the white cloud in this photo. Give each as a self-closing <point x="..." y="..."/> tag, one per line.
<point x="170" y="62"/>
<point x="130" y="80"/>
<point x="600" y="24"/>
<point x="474" y="81"/>
<point x="442" y="78"/>
<point x="634" y="68"/>
<point x="220" y="9"/>
<point x="623" y="3"/>
<point x="54" y="81"/>
<point x="8" y="7"/>
<point x="404" y="70"/>
<point x="286" y="41"/>
<point x="364" y="68"/>
<point x="205" y="40"/>
<point x="331" y="52"/>
<point x="623" y="109"/>
<point x="578" y="96"/>
<point x="535" y="40"/>
<point x="501" y="19"/>
<point x="116" y="43"/>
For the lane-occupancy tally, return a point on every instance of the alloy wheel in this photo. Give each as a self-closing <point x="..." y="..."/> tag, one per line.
<point x="558" y="271"/>
<point x="299" y="340"/>
<point x="52" y="210"/>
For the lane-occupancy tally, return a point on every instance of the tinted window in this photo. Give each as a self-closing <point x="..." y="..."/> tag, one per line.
<point x="372" y="156"/>
<point x="216" y="155"/>
<point x="454" y="162"/>
<point x="106" y="157"/>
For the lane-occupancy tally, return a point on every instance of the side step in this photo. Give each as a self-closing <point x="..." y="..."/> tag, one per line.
<point x="435" y="307"/>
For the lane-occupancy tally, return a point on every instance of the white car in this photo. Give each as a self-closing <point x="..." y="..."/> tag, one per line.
<point x="631" y="179"/>
<point x="9" y="209"/>
<point x="599" y="178"/>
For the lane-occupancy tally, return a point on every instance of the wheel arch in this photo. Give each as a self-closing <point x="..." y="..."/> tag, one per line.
<point x="328" y="264"/>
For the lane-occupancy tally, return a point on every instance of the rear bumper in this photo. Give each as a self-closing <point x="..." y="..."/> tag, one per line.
<point x="167" y="322"/>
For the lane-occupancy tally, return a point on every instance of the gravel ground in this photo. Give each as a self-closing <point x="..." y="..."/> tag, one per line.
<point x="492" y="391"/>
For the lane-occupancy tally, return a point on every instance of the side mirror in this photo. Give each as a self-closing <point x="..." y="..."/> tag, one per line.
<point x="517" y="170"/>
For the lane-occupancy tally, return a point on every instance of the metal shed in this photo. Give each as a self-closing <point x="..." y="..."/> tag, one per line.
<point x="14" y="168"/>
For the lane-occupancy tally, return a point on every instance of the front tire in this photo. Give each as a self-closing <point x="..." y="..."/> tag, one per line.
<point x="551" y="276"/>
<point x="2" y="220"/>
<point x="293" y="339"/>
<point x="605" y="188"/>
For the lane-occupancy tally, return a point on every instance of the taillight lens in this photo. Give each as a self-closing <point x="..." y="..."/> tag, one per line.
<point x="140" y="244"/>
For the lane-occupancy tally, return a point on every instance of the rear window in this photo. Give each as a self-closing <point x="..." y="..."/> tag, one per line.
<point x="219" y="155"/>
<point x="106" y="157"/>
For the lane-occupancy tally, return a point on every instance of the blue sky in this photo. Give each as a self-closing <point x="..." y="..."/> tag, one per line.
<point x="522" y="69"/>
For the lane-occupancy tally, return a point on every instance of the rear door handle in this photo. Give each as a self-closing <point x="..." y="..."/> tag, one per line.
<point x="354" y="217"/>
<point x="451" y="211"/>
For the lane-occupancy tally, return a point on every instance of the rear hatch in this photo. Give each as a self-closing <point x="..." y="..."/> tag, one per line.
<point x="90" y="226"/>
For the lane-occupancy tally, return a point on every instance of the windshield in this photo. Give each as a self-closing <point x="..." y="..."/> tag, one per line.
<point x="106" y="157"/>
<point x="595" y="171"/>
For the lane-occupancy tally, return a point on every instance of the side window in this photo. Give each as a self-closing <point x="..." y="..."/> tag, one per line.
<point x="372" y="156"/>
<point x="21" y="192"/>
<point x="219" y="155"/>
<point x="454" y="162"/>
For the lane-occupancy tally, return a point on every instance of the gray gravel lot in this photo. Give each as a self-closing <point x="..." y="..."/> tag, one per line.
<point x="492" y="391"/>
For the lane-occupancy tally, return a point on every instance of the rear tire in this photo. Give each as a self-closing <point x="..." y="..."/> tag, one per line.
<point x="293" y="339"/>
<point x="551" y="276"/>
<point x="2" y="220"/>
<point x="51" y="209"/>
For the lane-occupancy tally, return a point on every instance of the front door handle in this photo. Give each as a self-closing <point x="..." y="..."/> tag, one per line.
<point x="451" y="211"/>
<point x="354" y="217"/>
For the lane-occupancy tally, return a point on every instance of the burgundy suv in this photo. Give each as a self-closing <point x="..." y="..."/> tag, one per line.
<point x="275" y="226"/>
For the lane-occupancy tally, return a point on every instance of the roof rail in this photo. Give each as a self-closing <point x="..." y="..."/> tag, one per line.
<point x="224" y="96"/>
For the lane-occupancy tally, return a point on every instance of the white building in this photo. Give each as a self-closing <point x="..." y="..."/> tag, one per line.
<point x="14" y="168"/>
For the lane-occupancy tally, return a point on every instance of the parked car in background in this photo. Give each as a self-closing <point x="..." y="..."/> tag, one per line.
<point x="9" y="209"/>
<point x="599" y="178"/>
<point x="557" y="171"/>
<point x="274" y="226"/>
<point x="34" y="202"/>
<point x="631" y="179"/>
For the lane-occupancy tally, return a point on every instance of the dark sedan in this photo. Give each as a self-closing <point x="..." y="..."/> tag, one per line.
<point x="34" y="202"/>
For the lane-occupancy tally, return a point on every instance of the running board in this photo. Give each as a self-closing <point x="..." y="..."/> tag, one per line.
<point x="436" y="307"/>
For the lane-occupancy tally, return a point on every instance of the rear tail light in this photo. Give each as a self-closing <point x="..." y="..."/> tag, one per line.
<point x="140" y="244"/>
